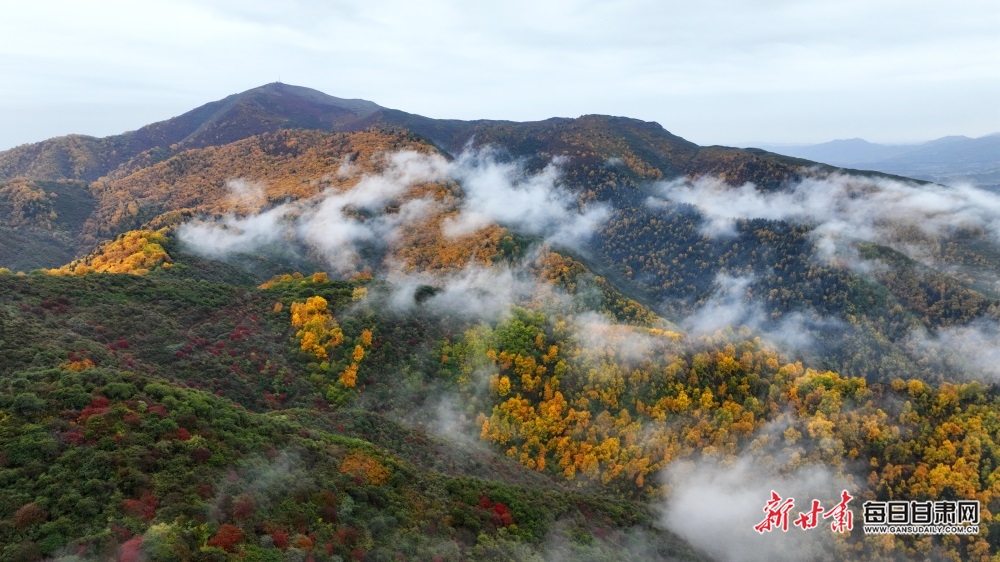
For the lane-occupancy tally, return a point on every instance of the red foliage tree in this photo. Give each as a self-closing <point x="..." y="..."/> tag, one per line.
<point x="133" y="419"/>
<point x="97" y="406"/>
<point x="158" y="410"/>
<point x="280" y="539"/>
<point x="143" y="508"/>
<point x="74" y="437"/>
<point x="131" y="551"/>
<point x="502" y="516"/>
<point x="227" y="538"/>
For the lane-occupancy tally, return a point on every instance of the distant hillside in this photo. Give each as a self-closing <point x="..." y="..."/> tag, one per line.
<point x="948" y="160"/>
<point x="841" y="152"/>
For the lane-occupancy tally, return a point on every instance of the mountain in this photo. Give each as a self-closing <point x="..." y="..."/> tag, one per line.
<point x="265" y="109"/>
<point x="655" y="244"/>
<point x="842" y="152"/>
<point x="88" y="169"/>
<point x="948" y="160"/>
<point x="290" y="326"/>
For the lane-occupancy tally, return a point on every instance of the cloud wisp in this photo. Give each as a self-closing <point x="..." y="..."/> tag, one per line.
<point x="338" y="225"/>
<point x="246" y="194"/>
<point x="732" y="305"/>
<point x="729" y="305"/>
<point x="596" y="334"/>
<point x="708" y="497"/>
<point x="474" y="291"/>
<point x="844" y="209"/>
<point x="500" y="192"/>
<point x="971" y="352"/>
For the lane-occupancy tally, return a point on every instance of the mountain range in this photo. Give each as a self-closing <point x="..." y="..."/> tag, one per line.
<point x="275" y="107"/>
<point x="289" y="326"/>
<point x="948" y="160"/>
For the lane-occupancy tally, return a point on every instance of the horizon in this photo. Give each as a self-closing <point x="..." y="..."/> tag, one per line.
<point x="724" y="74"/>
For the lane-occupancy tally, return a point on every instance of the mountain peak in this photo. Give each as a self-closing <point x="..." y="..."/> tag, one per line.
<point x="360" y="107"/>
<point x="856" y="141"/>
<point x="263" y="109"/>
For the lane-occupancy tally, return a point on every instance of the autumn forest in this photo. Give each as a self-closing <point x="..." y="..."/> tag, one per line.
<point x="285" y="326"/>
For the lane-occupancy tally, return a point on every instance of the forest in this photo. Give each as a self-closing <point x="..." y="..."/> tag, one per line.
<point x="422" y="340"/>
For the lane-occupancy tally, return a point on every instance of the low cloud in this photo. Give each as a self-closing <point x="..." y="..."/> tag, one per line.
<point x="595" y="333"/>
<point x="970" y="352"/>
<point x="732" y="304"/>
<point x="475" y="291"/>
<point x="803" y="332"/>
<point x="498" y="192"/>
<point x="245" y="194"/>
<point x="339" y="225"/>
<point x="336" y="224"/>
<point x="455" y="426"/>
<point x="715" y="505"/>
<point x="843" y="209"/>
<point x="233" y="234"/>
<point x="266" y="481"/>
<point x="728" y="306"/>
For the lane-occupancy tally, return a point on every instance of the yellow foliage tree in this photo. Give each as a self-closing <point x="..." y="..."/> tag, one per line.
<point x="349" y="377"/>
<point x="318" y="331"/>
<point x="134" y="252"/>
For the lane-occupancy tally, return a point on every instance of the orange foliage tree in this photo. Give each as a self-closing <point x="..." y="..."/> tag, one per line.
<point x="365" y="467"/>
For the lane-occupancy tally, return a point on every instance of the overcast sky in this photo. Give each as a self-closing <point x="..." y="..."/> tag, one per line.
<point x="715" y="71"/>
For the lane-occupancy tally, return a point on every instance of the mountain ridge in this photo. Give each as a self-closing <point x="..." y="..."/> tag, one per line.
<point x="950" y="160"/>
<point x="268" y="109"/>
<point x="274" y="106"/>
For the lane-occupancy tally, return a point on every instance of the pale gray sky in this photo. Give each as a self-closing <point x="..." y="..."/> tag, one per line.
<point x="714" y="71"/>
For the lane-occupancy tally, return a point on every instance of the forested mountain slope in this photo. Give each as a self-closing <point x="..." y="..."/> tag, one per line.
<point x="289" y="326"/>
